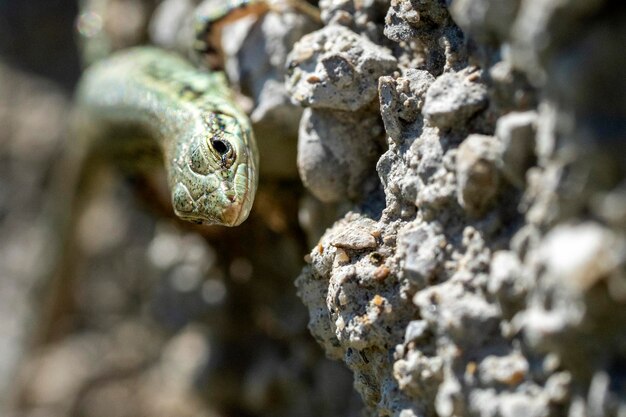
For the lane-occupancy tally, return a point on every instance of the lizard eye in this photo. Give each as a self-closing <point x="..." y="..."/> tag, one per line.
<point x="220" y="146"/>
<point x="225" y="150"/>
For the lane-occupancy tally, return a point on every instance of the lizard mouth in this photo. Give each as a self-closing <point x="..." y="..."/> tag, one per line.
<point x="231" y="215"/>
<point x="246" y="198"/>
<point x="238" y="211"/>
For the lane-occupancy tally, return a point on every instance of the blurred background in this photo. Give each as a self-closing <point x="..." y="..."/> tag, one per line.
<point x="145" y="316"/>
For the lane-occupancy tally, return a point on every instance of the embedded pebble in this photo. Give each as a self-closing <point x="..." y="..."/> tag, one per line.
<point x="422" y="250"/>
<point x="516" y="133"/>
<point x="407" y="19"/>
<point x="452" y="100"/>
<point x="357" y="236"/>
<point x="418" y="374"/>
<point x="467" y="319"/>
<point x="337" y="152"/>
<point x="334" y="68"/>
<point x="402" y="99"/>
<point x="478" y="176"/>
<point x="506" y="281"/>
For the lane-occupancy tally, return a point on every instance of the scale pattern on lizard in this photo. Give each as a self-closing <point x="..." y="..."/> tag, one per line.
<point x="206" y="140"/>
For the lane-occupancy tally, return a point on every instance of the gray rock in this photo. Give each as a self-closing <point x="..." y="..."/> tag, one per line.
<point x="453" y="99"/>
<point x="478" y="175"/>
<point x="466" y="319"/>
<point x="337" y="152"/>
<point x="422" y="249"/>
<point x="516" y="133"/>
<point x="356" y="237"/>
<point x="507" y="282"/>
<point x="402" y="99"/>
<point x="419" y="375"/>
<point x="407" y="19"/>
<point x="334" y="68"/>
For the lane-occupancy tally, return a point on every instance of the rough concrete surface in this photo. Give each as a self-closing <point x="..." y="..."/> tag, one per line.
<point x="492" y="282"/>
<point x="468" y="259"/>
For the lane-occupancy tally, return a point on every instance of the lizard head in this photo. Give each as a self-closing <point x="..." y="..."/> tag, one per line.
<point x="215" y="175"/>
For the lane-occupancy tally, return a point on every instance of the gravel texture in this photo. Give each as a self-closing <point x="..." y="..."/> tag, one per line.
<point x="492" y="281"/>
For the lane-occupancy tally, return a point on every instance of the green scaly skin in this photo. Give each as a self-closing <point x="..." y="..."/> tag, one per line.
<point x="207" y="144"/>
